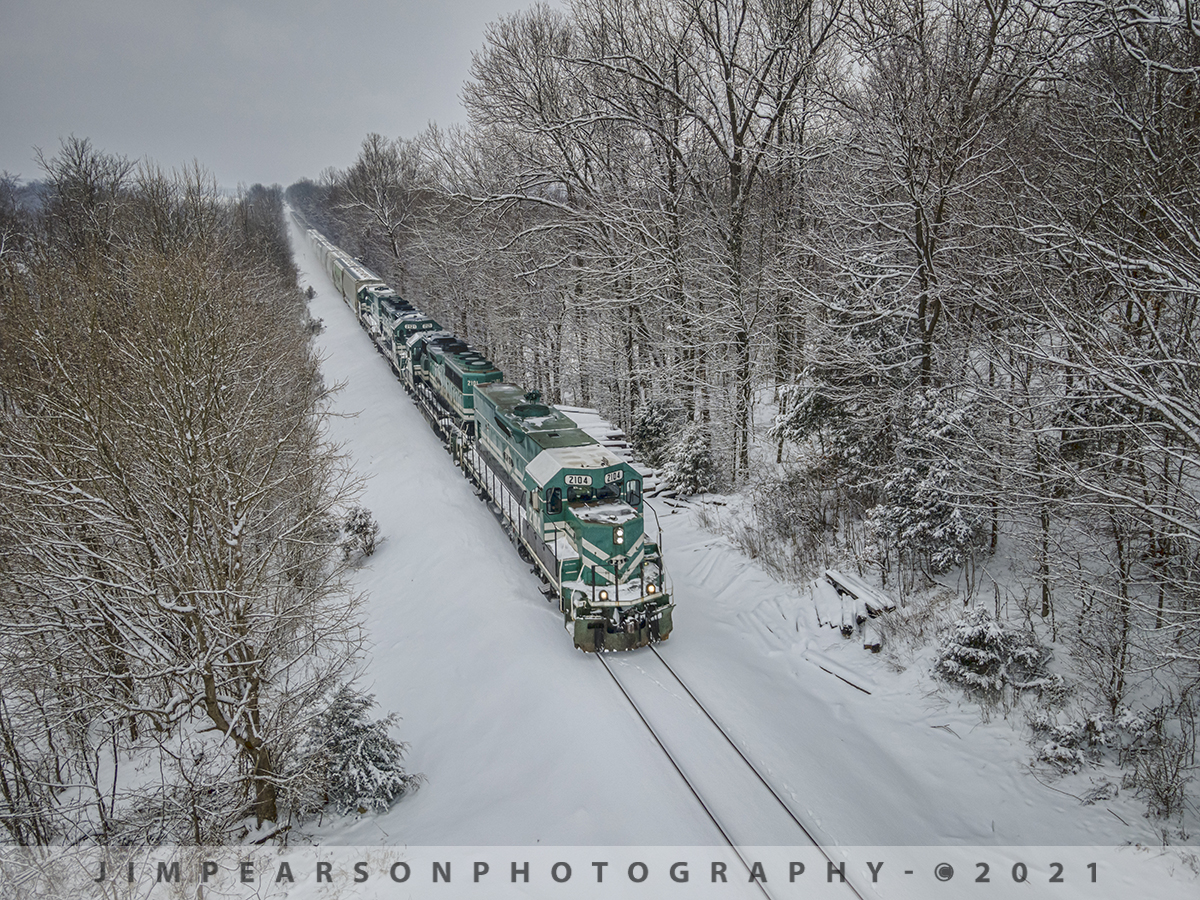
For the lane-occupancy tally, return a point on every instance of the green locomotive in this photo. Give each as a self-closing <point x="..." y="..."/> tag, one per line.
<point x="573" y="508"/>
<point x="579" y="514"/>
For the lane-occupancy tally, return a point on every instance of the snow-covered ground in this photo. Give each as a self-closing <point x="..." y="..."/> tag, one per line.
<point x="525" y="741"/>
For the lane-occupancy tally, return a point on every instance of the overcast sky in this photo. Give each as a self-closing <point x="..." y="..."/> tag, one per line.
<point x="256" y="91"/>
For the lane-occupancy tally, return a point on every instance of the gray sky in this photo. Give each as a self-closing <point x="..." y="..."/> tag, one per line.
<point x="256" y="91"/>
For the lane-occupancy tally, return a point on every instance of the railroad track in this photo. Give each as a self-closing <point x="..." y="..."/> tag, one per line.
<point x="746" y="810"/>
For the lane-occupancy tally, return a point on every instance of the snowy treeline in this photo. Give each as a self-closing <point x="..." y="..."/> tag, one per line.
<point x="954" y="240"/>
<point x="174" y="620"/>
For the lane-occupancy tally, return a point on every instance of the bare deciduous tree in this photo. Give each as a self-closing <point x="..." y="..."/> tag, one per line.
<point x="169" y="576"/>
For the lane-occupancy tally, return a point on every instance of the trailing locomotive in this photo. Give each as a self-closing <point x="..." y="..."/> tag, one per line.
<point x="572" y="507"/>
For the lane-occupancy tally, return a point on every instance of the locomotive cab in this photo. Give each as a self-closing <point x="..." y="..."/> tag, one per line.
<point x="403" y="328"/>
<point x="613" y="594"/>
<point x="582" y="520"/>
<point x="371" y="298"/>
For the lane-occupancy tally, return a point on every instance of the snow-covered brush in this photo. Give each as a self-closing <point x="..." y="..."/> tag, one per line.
<point x="360" y="533"/>
<point x="986" y="659"/>
<point x="361" y="761"/>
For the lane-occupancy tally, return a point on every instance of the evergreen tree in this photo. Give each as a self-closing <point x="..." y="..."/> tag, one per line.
<point x="984" y="657"/>
<point x="928" y="507"/>
<point x="654" y="423"/>
<point x="363" y="763"/>
<point x="690" y="468"/>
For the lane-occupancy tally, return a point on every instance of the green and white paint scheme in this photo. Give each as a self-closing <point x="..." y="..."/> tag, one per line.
<point x="453" y="370"/>
<point x="582" y="519"/>
<point x="391" y="321"/>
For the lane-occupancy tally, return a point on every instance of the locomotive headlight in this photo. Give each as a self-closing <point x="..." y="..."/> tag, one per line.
<point x="618" y="535"/>
<point x="604" y="595"/>
<point x="650" y="589"/>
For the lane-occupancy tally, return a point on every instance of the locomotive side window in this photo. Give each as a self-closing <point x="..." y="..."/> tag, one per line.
<point x="554" y="502"/>
<point x="635" y="493"/>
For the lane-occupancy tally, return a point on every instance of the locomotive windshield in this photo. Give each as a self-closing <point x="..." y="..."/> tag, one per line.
<point x="593" y="495"/>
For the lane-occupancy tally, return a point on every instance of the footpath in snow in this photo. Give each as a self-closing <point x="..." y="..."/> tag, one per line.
<point x="525" y="741"/>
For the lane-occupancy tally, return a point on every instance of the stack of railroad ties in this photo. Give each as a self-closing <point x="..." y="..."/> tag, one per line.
<point x="572" y="507"/>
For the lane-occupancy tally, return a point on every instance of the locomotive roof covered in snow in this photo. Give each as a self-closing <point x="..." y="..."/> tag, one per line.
<point x="561" y="442"/>
<point x="380" y="289"/>
<point x="553" y="460"/>
<point x="463" y="357"/>
<point x="426" y="337"/>
<point x="415" y="320"/>
<point x="546" y="426"/>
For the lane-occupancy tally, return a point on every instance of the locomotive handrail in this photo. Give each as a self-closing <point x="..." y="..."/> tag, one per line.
<point x="657" y="524"/>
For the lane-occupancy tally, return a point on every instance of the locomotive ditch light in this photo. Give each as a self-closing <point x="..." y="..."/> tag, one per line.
<point x="604" y="595"/>
<point x="650" y="589"/>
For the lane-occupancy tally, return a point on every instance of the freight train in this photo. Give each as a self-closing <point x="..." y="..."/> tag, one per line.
<point x="573" y="508"/>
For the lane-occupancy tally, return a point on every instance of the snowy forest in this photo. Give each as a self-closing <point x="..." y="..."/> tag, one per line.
<point x="177" y="634"/>
<point x="904" y="287"/>
<point x="918" y="279"/>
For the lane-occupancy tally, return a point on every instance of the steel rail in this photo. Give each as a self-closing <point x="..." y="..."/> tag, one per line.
<point x="691" y="787"/>
<point x="736" y="749"/>
<point x="437" y="417"/>
<point x="753" y="768"/>
<point x="695" y="792"/>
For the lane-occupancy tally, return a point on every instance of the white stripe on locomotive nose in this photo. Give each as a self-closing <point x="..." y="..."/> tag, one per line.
<point x="593" y="550"/>
<point x="626" y="571"/>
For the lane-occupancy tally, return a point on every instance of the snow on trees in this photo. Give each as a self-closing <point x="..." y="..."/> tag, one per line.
<point x="689" y="467"/>
<point x="956" y="242"/>
<point x="360" y="532"/>
<point x="360" y="765"/>
<point x="929" y="507"/>
<point x="655" y="424"/>
<point x="380" y="196"/>
<point x="986" y="658"/>
<point x="170" y="579"/>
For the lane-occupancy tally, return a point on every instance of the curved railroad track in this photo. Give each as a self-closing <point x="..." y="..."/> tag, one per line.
<point x="743" y="806"/>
